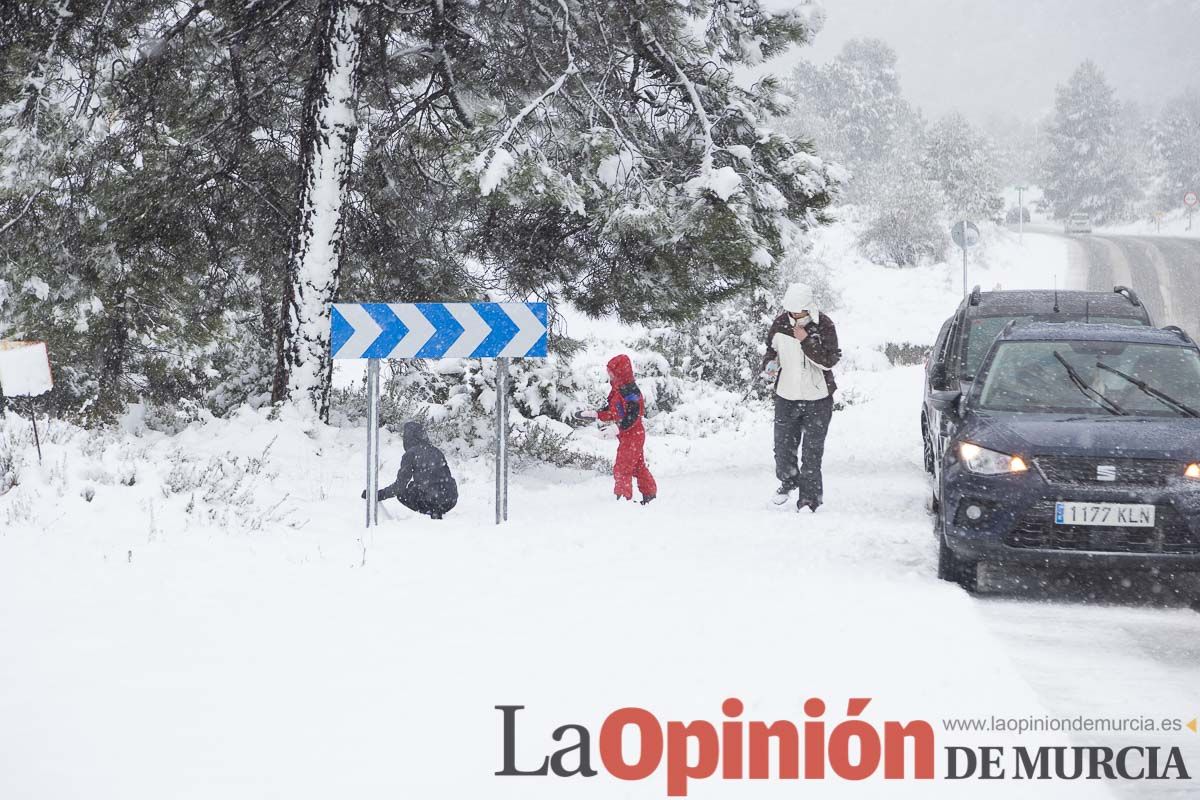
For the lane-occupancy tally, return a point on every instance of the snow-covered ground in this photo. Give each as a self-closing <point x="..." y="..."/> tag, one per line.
<point x="215" y="621"/>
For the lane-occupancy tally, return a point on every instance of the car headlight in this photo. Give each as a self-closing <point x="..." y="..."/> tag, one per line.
<point x="1192" y="471"/>
<point x="989" y="462"/>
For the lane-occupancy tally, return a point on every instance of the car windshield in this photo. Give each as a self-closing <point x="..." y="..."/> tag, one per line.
<point x="1034" y="377"/>
<point x="982" y="331"/>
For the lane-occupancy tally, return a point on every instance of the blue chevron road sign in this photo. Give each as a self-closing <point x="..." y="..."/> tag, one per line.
<point x="438" y="330"/>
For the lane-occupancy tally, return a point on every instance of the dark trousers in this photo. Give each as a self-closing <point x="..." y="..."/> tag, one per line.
<point x="412" y="497"/>
<point x="802" y="425"/>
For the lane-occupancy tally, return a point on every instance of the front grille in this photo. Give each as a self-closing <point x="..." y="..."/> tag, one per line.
<point x="1036" y="530"/>
<point x="1086" y="470"/>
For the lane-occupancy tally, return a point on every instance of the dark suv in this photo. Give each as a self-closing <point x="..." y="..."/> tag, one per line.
<point x="965" y="338"/>
<point x="1077" y="445"/>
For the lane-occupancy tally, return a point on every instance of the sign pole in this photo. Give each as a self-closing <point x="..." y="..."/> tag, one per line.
<point x="501" y="440"/>
<point x="504" y="433"/>
<point x="37" y="440"/>
<point x="372" y="442"/>
<point x="965" y="290"/>
<point x="965" y="235"/>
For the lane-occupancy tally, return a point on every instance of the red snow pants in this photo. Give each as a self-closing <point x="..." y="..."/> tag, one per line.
<point x="631" y="463"/>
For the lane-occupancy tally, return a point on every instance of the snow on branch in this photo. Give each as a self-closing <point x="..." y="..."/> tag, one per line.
<point x="493" y="171"/>
<point x="650" y="42"/>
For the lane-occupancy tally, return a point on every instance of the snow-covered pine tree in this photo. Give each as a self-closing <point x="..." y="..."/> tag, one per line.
<point x="328" y="130"/>
<point x="1089" y="168"/>
<point x="963" y="162"/>
<point x="854" y="109"/>
<point x="155" y="206"/>
<point x="628" y="171"/>
<point x="104" y="245"/>
<point x="1177" y="140"/>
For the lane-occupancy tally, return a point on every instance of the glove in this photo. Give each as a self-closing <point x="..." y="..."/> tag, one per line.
<point x="772" y="369"/>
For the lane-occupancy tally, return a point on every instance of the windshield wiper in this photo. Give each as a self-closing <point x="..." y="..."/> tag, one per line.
<point x="1088" y="390"/>
<point x="1146" y="388"/>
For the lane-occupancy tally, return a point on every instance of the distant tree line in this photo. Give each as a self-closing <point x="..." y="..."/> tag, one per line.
<point x="1094" y="154"/>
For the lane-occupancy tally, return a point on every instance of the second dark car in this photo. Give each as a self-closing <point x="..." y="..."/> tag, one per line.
<point x="966" y="336"/>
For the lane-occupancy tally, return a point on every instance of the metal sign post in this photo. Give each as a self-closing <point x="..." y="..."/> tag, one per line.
<point x="374" y="331"/>
<point x="966" y="235"/>
<point x="372" y="442"/>
<point x="1191" y="200"/>
<point x="501" y="440"/>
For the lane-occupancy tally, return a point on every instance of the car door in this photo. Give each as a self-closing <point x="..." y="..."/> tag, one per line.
<point x="933" y="418"/>
<point x="946" y="426"/>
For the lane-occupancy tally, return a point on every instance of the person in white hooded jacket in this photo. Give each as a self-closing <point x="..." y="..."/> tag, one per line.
<point x="802" y="349"/>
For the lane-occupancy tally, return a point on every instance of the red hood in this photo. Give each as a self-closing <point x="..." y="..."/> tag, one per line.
<point x="621" y="369"/>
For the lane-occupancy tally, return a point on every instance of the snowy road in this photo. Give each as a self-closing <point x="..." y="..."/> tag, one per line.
<point x="1164" y="271"/>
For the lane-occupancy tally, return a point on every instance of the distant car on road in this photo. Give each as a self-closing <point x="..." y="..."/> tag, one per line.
<point x="1078" y="223"/>
<point x="1077" y="446"/>
<point x="966" y="336"/>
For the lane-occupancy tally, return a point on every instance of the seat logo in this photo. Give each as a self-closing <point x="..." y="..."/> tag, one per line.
<point x="1106" y="472"/>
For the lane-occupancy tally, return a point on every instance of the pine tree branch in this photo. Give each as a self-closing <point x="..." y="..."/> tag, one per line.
<point x="444" y="67"/>
<point x="21" y="213"/>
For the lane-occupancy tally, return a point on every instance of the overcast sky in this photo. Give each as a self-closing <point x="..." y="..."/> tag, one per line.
<point x="1006" y="56"/>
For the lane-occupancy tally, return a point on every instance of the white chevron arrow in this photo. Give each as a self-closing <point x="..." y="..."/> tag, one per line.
<point x="366" y="330"/>
<point x="530" y="329"/>
<point x="420" y="330"/>
<point x="475" y="330"/>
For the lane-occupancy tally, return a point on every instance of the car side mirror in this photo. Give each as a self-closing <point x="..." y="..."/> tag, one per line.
<point x="937" y="374"/>
<point x="946" y="401"/>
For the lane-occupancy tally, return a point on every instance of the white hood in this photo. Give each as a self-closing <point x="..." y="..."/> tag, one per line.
<point x="799" y="297"/>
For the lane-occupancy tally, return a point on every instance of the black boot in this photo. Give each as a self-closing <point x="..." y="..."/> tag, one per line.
<point x="811" y="505"/>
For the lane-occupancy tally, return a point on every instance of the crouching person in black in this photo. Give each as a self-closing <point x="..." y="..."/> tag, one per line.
<point x="424" y="482"/>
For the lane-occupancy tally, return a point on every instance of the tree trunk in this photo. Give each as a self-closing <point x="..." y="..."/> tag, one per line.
<point x="303" y="367"/>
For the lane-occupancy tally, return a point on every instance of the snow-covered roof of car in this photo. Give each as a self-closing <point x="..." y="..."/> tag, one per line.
<point x="1109" y="332"/>
<point x="1042" y="301"/>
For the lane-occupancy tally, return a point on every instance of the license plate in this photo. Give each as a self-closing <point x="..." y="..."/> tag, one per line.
<point x="1111" y="515"/>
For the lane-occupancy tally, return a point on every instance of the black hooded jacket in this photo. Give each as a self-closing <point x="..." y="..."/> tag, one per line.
<point x="424" y="477"/>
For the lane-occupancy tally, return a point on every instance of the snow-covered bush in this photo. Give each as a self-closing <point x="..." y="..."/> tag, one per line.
<point x="551" y="443"/>
<point x="171" y="418"/>
<point x="10" y="474"/>
<point x="455" y="398"/>
<point x="725" y="346"/>
<point x="904" y="224"/>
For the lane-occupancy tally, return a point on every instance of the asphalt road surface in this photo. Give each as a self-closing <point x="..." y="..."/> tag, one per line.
<point x="1113" y="645"/>
<point x="1164" y="271"/>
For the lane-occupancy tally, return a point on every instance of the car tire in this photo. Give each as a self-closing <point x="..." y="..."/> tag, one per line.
<point x="926" y="446"/>
<point x="954" y="569"/>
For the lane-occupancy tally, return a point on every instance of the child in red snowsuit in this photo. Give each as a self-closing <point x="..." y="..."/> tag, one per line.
<point x="625" y="407"/>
